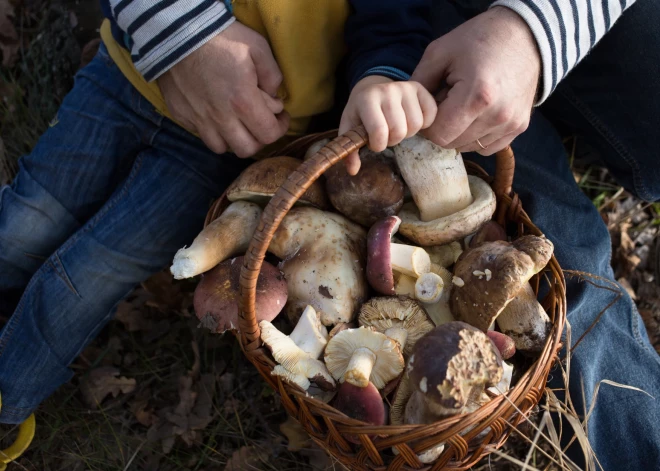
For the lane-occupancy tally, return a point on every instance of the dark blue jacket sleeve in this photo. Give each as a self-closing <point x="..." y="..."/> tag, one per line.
<point x="386" y="37"/>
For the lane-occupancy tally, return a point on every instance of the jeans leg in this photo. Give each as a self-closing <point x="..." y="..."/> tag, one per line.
<point x="617" y="347"/>
<point x="612" y="98"/>
<point x="71" y="172"/>
<point x="159" y="208"/>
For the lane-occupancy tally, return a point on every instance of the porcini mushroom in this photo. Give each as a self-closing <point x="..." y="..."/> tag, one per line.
<point x="384" y="256"/>
<point x="525" y="321"/>
<point x="448" y="204"/>
<point x="449" y="369"/>
<point x="323" y="257"/>
<point x="450" y="228"/>
<point x="294" y="361"/>
<point x="217" y="295"/>
<point x="228" y="235"/>
<point x="399" y="317"/>
<point x="374" y="193"/>
<point x="259" y="182"/>
<point x="436" y="177"/>
<point x="493" y="274"/>
<point x="362" y="355"/>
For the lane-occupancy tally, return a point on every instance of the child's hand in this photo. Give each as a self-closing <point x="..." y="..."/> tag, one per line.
<point x="390" y="112"/>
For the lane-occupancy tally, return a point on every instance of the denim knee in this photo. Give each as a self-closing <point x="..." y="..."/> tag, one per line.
<point x="32" y="225"/>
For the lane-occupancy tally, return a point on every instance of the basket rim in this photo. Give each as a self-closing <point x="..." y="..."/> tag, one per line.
<point x="515" y="404"/>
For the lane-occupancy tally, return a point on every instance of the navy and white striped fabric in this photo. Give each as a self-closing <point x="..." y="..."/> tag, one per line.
<point x="565" y="31"/>
<point x="163" y="32"/>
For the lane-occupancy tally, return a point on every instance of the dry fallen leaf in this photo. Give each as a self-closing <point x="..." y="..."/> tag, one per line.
<point x="296" y="435"/>
<point x="100" y="382"/>
<point x="8" y="36"/>
<point x="253" y="457"/>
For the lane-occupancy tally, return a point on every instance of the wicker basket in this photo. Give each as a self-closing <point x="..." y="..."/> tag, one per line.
<point x="465" y="444"/>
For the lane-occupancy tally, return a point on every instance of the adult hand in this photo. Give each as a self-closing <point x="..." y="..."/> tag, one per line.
<point x="225" y="92"/>
<point x="491" y="68"/>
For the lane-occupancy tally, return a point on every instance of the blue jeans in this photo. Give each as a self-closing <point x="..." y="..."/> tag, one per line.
<point x="612" y="98"/>
<point x="104" y="200"/>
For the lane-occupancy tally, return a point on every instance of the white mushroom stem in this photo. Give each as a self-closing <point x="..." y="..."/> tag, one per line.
<point x="436" y="177"/>
<point x="225" y="237"/>
<point x="525" y="321"/>
<point x="409" y="260"/>
<point x="404" y="285"/>
<point x="360" y="366"/>
<point x="429" y="288"/>
<point x="309" y="334"/>
<point x="439" y="312"/>
<point x="398" y="334"/>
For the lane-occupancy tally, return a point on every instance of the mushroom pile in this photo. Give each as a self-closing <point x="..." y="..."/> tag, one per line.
<point x="403" y="301"/>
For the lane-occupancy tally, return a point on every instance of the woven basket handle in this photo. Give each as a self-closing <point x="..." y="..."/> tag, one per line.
<point x="284" y="198"/>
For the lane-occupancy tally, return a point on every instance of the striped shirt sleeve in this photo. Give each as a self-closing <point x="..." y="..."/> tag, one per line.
<point x="160" y="33"/>
<point x="565" y="31"/>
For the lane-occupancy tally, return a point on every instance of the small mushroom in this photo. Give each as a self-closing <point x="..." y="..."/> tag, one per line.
<point x="309" y="334"/>
<point x="449" y="369"/>
<point x="374" y="193"/>
<point x="448" y="204"/>
<point x="323" y="259"/>
<point x="362" y="355"/>
<point x="400" y="318"/>
<point x="294" y="362"/>
<point x="384" y="256"/>
<point x="259" y="182"/>
<point x="439" y="311"/>
<point x="228" y="235"/>
<point x="525" y="321"/>
<point x="429" y="287"/>
<point x="492" y="275"/>
<point x="217" y="295"/>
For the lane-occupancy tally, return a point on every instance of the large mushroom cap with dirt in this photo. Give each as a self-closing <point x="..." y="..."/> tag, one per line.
<point x="323" y="258"/>
<point x="492" y="274"/>
<point x="452" y="365"/>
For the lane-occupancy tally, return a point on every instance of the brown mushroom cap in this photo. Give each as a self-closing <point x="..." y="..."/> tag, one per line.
<point x="492" y="274"/>
<point x="453" y="364"/>
<point x="374" y="193"/>
<point x="216" y="296"/>
<point x="489" y="232"/>
<point x="259" y="182"/>
<point x="364" y="404"/>
<point x="393" y="314"/>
